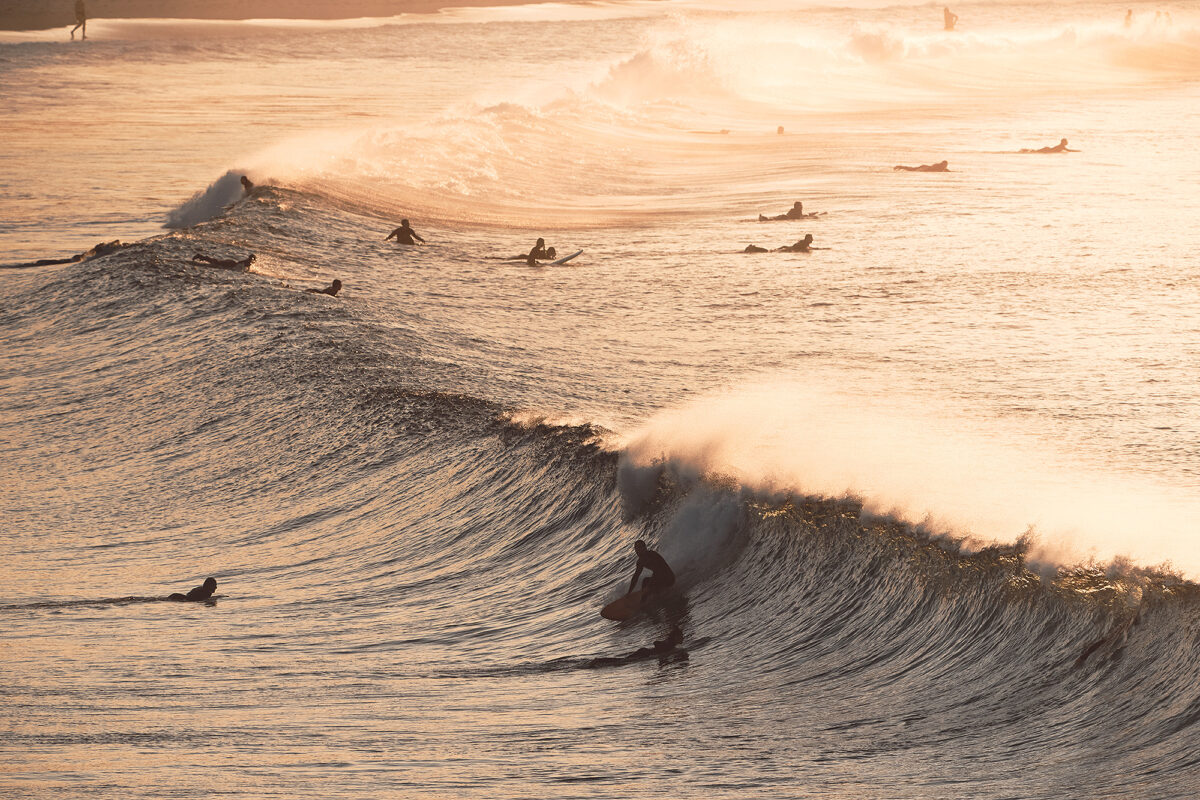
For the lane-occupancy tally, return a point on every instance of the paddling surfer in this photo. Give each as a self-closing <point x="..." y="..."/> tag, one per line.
<point x="197" y="595"/>
<point x="331" y="290"/>
<point x="1061" y="147"/>
<point x="664" y="650"/>
<point x="405" y="234"/>
<point x="795" y="212"/>
<point x="661" y="578"/>
<point x="941" y="166"/>
<point x="225" y="263"/>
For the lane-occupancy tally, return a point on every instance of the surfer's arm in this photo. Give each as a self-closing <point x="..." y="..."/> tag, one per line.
<point x="392" y="235"/>
<point x="418" y="236"/>
<point x="636" y="574"/>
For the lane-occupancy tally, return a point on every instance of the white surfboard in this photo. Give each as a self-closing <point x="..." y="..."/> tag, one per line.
<point x="564" y="259"/>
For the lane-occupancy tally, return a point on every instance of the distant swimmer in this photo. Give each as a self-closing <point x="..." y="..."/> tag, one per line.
<point x="225" y="263"/>
<point x="667" y="649"/>
<point x="661" y="578"/>
<point x="404" y="234"/>
<point x="80" y="20"/>
<point x="941" y="166"/>
<point x="198" y="594"/>
<point x="795" y="212"/>
<point x="1128" y="16"/>
<point x="950" y="17"/>
<point x="1061" y="147"/>
<point x="331" y="290"/>
<point x="779" y="131"/>
<point x="247" y="184"/>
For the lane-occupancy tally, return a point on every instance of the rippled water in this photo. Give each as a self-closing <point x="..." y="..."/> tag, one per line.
<point x="931" y="492"/>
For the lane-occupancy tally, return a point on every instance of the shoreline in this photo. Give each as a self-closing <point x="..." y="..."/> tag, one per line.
<point x="16" y="15"/>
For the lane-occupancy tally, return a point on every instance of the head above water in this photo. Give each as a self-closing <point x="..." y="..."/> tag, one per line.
<point x="403" y="223"/>
<point x="540" y="242"/>
<point x="639" y="546"/>
<point x="807" y="238"/>
<point x="1063" y="142"/>
<point x="337" y="284"/>
<point x="675" y="637"/>
<point x="210" y="584"/>
<point x="797" y="205"/>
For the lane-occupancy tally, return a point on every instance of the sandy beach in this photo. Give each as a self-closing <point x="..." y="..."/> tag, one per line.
<point x="21" y="15"/>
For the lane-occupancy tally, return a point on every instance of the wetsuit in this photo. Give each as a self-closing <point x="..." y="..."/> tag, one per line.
<point x="662" y="578"/>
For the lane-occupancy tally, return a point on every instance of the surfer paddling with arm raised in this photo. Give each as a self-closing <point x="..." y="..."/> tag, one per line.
<point x="661" y="578"/>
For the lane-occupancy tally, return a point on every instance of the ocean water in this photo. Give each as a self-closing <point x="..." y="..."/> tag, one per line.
<point x="932" y="491"/>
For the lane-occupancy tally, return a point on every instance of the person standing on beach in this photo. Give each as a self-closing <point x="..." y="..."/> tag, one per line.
<point x="80" y="19"/>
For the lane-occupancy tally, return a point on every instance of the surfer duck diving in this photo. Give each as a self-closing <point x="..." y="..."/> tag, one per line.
<point x="661" y="578"/>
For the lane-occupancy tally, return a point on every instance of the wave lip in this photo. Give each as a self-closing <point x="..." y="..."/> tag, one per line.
<point x="204" y="205"/>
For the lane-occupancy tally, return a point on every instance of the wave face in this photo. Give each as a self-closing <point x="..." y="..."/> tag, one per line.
<point x="930" y="493"/>
<point x="379" y="532"/>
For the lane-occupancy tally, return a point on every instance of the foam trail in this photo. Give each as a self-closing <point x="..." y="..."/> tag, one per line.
<point x="931" y="468"/>
<point x="207" y="204"/>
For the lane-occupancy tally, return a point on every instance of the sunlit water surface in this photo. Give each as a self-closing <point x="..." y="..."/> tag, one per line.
<point x="416" y="496"/>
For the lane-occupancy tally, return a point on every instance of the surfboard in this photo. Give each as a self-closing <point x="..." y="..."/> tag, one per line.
<point x="623" y="607"/>
<point x="564" y="259"/>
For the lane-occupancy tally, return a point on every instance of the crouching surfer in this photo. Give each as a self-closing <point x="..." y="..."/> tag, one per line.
<point x="661" y="577"/>
<point x="197" y="595"/>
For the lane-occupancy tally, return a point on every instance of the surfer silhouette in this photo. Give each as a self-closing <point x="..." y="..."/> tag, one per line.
<point x="795" y="212"/>
<point x="1061" y="147"/>
<point x="802" y="246"/>
<point x="950" y="17"/>
<point x="663" y="649"/>
<point x="80" y="20"/>
<point x="941" y="166"/>
<point x="225" y="263"/>
<point x="404" y="234"/>
<point x="247" y="184"/>
<point x="661" y="576"/>
<point x="197" y="595"/>
<point x="331" y="290"/>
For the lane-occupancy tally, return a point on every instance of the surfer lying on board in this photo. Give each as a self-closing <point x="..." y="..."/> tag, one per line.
<point x="198" y="594"/>
<point x="802" y="246"/>
<point x="224" y="263"/>
<point x="1061" y="147"/>
<point x="795" y="212"/>
<point x="331" y="290"/>
<point x="404" y="234"/>
<point x="539" y="253"/>
<point x="941" y="166"/>
<point x="661" y="578"/>
<point x="663" y="650"/>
